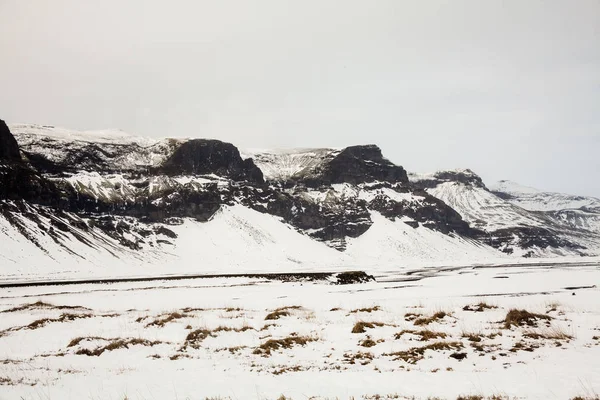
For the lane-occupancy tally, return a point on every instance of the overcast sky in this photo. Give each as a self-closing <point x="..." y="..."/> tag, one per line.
<point x="510" y="89"/>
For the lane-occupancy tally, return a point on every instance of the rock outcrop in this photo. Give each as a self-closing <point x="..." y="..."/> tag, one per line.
<point x="9" y="149"/>
<point x="203" y="157"/>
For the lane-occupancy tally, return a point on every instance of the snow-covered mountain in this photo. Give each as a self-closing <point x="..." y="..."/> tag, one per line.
<point x="529" y="224"/>
<point x="108" y="203"/>
<point x="579" y="212"/>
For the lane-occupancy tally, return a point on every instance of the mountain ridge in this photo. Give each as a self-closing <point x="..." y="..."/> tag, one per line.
<point x="127" y="193"/>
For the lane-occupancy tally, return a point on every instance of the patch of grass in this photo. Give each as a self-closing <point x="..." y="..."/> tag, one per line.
<point x="361" y="326"/>
<point x="194" y="338"/>
<point x="40" y="323"/>
<point x="479" y="307"/>
<point x="78" y="340"/>
<point x="593" y="397"/>
<point x="41" y="304"/>
<point x="270" y="345"/>
<point x="366" y="310"/>
<point x="428" y="320"/>
<point x="336" y="309"/>
<point x="410" y="316"/>
<point x="166" y="319"/>
<point x="472" y="337"/>
<point x="360" y="357"/>
<point x="424" y="335"/>
<point x="116" y="344"/>
<point x="368" y="343"/>
<point x="554" y="333"/>
<point x="286" y="369"/>
<point x="230" y="329"/>
<point x="523" y="318"/>
<point x="235" y="349"/>
<point x="522" y="346"/>
<point x="415" y="354"/>
<point x="281" y="312"/>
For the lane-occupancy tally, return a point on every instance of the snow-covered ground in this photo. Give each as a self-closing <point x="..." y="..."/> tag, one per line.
<point x="126" y="340"/>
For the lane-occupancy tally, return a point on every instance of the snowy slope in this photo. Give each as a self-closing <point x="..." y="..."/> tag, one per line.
<point x="536" y="200"/>
<point x="483" y="209"/>
<point x="279" y="165"/>
<point x="114" y="148"/>
<point x="394" y="244"/>
<point x="236" y="239"/>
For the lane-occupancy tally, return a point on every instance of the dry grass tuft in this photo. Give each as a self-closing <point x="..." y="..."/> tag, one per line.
<point x="415" y="354"/>
<point x="368" y="343"/>
<point x="41" y="304"/>
<point x="194" y="338"/>
<point x="523" y="318"/>
<point x="411" y="316"/>
<point x="554" y="333"/>
<point x="270" y="345"/>
<point x="522" y="346"/>
<point x="166" y="319"/>
<point x="424" y="335"/>
<point x="281" y="312"/>
<point x="115" y="344"/>
<point x="434" y="318"/>
<point x="360" y="357"/>
<point x="361" y="326"/>
<point x="40" y="323"/>
<point x="367" y="310"/>
<point x="230" y="329"/>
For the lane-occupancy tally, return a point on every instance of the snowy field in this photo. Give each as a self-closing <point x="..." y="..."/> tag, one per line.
<point x="439" y="333"/>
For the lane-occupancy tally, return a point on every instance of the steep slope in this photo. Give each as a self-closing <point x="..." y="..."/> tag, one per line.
<point x="505" y="225"/>
<point x="578" y="212"/>
<point x="536" y="200"/>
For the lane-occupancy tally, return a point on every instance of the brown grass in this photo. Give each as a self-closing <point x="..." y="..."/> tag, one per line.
<point x="41" y="304"/>
<point x="361" y="326"/>
<point x="166" y="319"/>
<point x="368" y="343"/>
<point x="522" y="346"/>
<point x="194" y="338"/>
<point x="281" y="312"/>
<point x="270" y="345"/>
<point x="411" y="316"/>
<point x="415" y="354"/>
<point x="424" y="335"/>
<point x="360" y="357"/>
<point x="434" y="318"/>
<point x="549" y="334"/>
<point x="523" y="318"/>
<point x="116" y="344"/>
<point x="367" y="310"/>
<point x="40" y="323"/>
<point x="230" y="329"/>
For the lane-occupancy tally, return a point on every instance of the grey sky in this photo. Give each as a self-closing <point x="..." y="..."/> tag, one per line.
<point x="510" y="89"/>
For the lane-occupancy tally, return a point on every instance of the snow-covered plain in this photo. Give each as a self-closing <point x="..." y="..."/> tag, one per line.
<point x="218" y="344"/>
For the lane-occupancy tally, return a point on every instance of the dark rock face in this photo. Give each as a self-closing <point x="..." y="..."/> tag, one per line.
<point x="358" y="164"/>
<point x="203" y="156"/>
<point x="526" y="238"/>
<point x="9" y="149"/>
